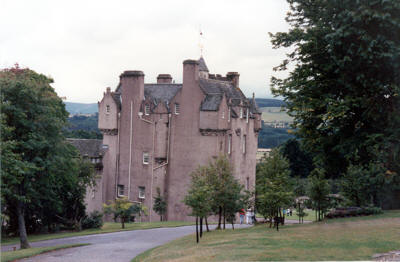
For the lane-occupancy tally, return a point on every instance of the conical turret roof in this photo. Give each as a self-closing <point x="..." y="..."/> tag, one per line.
<point x="202" y="65"/>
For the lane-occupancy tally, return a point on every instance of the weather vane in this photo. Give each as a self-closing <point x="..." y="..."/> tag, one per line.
<point x="201" y="46"/>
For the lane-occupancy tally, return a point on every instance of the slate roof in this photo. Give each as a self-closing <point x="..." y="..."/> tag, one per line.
<point x="117" y="99"/>
<point x="215" y="89"/>
<point x="88" y="147"/>
<point x="161" y="93"/>
<point x="202" y="65"/>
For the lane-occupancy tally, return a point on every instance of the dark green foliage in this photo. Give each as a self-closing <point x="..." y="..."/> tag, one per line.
<point x="93" y="220"/>
<point x="85" y="127"/>
<point x="354" y="211"/>
<point x="273" y="187"/>
<point x="43" y="181"/>
<point x="269" y="137"/>
<point x="160" y="205"/>
<point x="344" y="89"/>
<point x="300" y="161"/>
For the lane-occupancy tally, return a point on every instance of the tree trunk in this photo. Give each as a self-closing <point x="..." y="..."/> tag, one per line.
<point x="219" y="217"/>
<point x="233" y="227"/>
<point x="123" y="222"/>
<point x="21" y="226"/>
<point x="224" y="219"/>
<point x="197" y="229"/>
<point x="208" y="230"/>
<point x="201" y="226"/>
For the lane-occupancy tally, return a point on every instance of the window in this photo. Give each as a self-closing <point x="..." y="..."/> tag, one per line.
<point x="241" y="112"/>
<point x="107" y="109"/>
<point x="247" y="115"/>
<point x="120" y="190"/>
<point x="142" y="191"/>
<point x="229" y="114"/>
<point x="244" y="144"/>
<point x="223" y="114"/>
<point x="229" y="144"/>
<point x="247" y="183"/>
<point x="147" y="110"/>
<point x="93" y="194"/>
<point x="177" y="109"/>
<point x="146" y="158"/>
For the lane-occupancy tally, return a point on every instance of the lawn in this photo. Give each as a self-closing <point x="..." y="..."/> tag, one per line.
<point x="107" y="228"/>
<point x="23" y="253"/>
<point x="355" y="238"/>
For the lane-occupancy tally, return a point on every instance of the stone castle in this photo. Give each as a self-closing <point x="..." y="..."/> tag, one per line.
<point x="155" y="135"/>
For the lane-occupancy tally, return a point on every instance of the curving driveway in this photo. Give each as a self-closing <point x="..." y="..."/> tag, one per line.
<point x="115" y="247"/>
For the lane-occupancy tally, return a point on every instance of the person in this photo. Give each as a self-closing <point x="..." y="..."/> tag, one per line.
<point x="284" y="211"/>
<point x="241" y="214"/>
<point x="290" y="210"/>
<point x="248" y="216"/>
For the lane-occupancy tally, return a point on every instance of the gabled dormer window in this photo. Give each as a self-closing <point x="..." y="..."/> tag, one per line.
<point x="147" y="110"/>
<point x="177" y="109"/>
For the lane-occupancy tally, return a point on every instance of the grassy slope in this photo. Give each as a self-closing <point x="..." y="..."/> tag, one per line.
<point x="340" y="239"/>
<point x="23" y="253"/>
<point x="107" y="228"/>
<point x="270" y="114"/>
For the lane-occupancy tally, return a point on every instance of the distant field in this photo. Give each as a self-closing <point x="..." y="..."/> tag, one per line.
<point x="271" y="114"/>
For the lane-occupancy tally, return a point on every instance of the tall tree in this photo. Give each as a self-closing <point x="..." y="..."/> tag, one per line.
<point x="300" y="161"/>
<point x="343" y="91"/>
<point x="318" y="190"/>
<point x="39" y="170"/>
<point x="273" y="187"/>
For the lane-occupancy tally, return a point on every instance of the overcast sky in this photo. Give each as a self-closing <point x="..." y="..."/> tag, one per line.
<point x="85" y="45"/>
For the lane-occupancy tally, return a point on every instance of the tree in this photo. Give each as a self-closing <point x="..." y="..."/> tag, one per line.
<point x="273" y="187"/>
<point x="123" y="209"/>
<point x="343" y="91"/>
<point x="160" y="205"/>
<point x="318" y="192"/>
<point x="300" y="161"/>
<point x="39" y="169"/>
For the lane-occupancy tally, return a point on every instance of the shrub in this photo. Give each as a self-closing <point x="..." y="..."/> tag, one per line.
<point x="94" y="220"/>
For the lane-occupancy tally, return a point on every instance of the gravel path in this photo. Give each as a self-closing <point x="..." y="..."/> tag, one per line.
<point x="115" y="247"/>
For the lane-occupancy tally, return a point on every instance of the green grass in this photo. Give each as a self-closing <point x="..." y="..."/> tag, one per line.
<point x="356" y="238"/>
<point x="107" y="228"/>
<point x="24" y="253"/>
<point x="271" y="114"/>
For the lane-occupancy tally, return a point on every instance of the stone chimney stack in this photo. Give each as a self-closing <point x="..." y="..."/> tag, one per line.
<point x="234" y="78"/>
<point x="164" y="79"/>
<point x="190" y="72"/>
<point x="132" y="83"/>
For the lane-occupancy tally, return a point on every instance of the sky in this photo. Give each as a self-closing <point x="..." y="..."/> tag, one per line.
<point x="85" y="45"/>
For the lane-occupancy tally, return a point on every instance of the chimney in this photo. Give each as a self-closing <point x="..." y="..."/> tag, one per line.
<point x="190" y="72"/>
<point x="234" y="78"/>
<point x="164" y="79"/>
<point x="132" y="83"/>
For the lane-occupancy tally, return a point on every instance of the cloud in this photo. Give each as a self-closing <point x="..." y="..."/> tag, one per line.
<point x="85" y="45"/>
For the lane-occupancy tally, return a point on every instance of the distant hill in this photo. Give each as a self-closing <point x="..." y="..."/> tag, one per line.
<point x="269" y="102"/>
<point x="80" y="108"/>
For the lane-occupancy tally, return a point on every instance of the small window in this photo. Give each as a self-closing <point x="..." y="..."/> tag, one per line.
<point x="241" y="112"/>
<point x="177" y="109"/>
<point x="229" y="144"/>
<point x="229" y="114"/>
<point x="93" y="193"/>
<point x="244" y="144"/>
<point x="142" y="192"/>
<point x="147" y="110"/>
<point x="247" y="115"/>
<point x="223" y="114"/>
<point x="107" y="109"/>
<point x="247" y="183"/>
<point x="120" y="190"/>
<point x="146" y="158"/>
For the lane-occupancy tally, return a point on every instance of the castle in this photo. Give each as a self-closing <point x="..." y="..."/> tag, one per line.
<point x="155" y="135"/>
